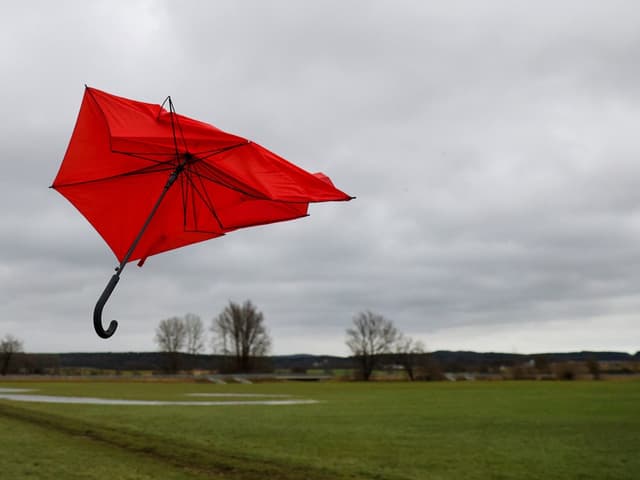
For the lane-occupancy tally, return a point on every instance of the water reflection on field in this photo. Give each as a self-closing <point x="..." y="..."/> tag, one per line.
<point x="19" y="395"/>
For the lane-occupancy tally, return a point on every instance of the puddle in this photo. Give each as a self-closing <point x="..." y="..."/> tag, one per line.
<point x="262" y="395"/>
<point x="18" y="397"/>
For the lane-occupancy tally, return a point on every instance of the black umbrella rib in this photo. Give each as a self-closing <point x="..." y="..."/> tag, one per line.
<point x="189" y="204"/>
<point x="175" y="122"/>
<point x="202" y="155"/>
<point x="141" y="171"/>
<point x="184" y="193"/>
<point x="204" y="197"/>
<point x="172" y="155"/>
<point x="170" y="165"/>
<point x="142" y="155"/>
<point x="161" y="109"/>
<point x="218" y="151"/>
<point x="218" y="181"/>
<point x="190" y="201"/>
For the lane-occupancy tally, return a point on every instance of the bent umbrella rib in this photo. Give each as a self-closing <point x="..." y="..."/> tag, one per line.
<point x="204" y="197"/>
<point x="141" y="171"/>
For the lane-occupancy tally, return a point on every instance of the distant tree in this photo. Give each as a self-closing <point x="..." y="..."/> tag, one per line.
<point x="594" y="368"/>
<point x="566" y="370"/>
<point x="171" y="335"/>
<point x="195" y="333"/>
<point x="372" y="335"/>
<point x="239" y="331"/>
<point x="409" y="353"/>
<point x="9" y="346"/>
<point x="542" y="364"/>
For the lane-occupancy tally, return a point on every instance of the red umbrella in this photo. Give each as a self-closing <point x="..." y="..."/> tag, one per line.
<point x="124" y="157"/>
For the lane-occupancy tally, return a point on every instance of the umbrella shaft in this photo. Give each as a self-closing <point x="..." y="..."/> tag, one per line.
<point x="97" y="311"/>
<point x="170" y="181"/>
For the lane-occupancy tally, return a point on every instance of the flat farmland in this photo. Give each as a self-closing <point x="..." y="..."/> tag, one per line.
<point x="332" y="430"/>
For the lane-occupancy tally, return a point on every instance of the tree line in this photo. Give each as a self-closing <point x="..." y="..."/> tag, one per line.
<point x="402" y="353"/>
<point x="239" y="333"/>
<point x="240" y="342"/>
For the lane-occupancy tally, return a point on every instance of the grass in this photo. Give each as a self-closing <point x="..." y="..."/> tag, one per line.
<point x="32" y="452"/>
<point x="472" y="430"/>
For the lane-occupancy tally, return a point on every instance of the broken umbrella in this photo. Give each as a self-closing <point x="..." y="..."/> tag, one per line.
<point x="150" y="180"/>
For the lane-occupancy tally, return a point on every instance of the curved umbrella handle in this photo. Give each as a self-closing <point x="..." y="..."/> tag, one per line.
<point x="97" y="311"/>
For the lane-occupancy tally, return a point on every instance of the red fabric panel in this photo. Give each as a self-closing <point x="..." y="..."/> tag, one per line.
<point x="122" y="152"/>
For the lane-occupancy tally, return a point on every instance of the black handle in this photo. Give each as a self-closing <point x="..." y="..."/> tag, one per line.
<point x="97" y="311"/>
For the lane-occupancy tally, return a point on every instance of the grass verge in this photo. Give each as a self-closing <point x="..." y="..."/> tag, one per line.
<point x="391" y="431"/>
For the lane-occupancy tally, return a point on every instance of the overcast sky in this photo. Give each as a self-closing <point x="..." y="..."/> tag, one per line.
<point x="492" y="146"/>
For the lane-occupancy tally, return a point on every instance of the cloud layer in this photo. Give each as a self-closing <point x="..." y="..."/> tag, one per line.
<point x="492" y="148"/>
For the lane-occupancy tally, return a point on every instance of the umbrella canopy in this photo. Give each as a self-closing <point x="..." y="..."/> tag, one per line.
<point x="125" y="156"/>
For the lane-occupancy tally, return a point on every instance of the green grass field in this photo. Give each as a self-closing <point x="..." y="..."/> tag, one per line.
<point x="472" y="430"/>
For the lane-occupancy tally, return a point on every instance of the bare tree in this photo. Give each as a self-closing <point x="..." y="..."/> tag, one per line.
<point x="195" y="333"/>
<point x="408" y="353"/>
<point x="239" y="331"/>
<point x="170" y="337"/>
<point x="171" y="334"/>
<point x="371" y="336"/>
<point x="9" y="346"/>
